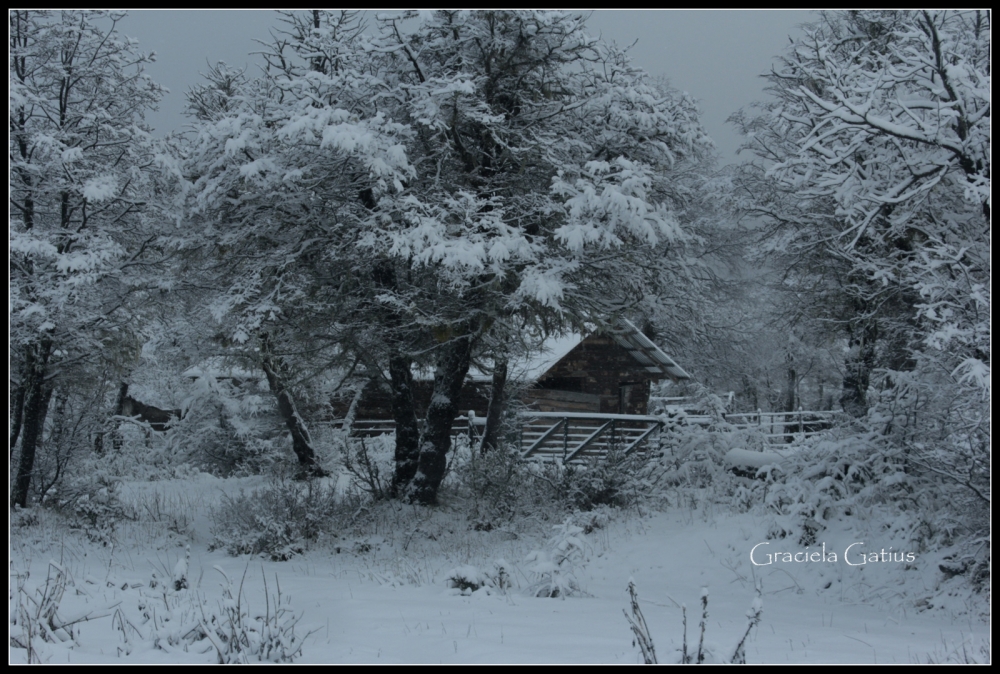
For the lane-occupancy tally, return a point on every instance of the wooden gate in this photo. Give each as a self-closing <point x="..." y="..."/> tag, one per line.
<point x="580" y="437"/>
<point x="552" y="436"/>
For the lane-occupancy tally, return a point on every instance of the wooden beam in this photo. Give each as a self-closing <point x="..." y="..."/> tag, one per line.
<point x="545" y="436"/>
<point x="638" y="441"/>
<point x="586" y="443"/>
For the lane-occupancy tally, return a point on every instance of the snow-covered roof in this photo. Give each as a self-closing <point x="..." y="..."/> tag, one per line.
<point x="537" y="362"/>
<point x="645" y="352"/>
<point x="641" y="348"/>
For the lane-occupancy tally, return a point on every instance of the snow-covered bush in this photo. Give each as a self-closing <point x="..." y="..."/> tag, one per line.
<point x="92" y="502"/>
<point x="498" y="486"/>
<point x="613" y="480"/>
<point x="936" y="425"/>
<point x="468" y="579"/>
<point x="827" y="477"/>
<point x="688" y="455"/>
<point x="277" y="519"/>
<point x="229" y="426"/>
<point x="369" y="462"/>
<point x="553" y="568"/>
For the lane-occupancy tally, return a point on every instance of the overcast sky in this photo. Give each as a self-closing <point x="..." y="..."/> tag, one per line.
<point x="716" y="56"/>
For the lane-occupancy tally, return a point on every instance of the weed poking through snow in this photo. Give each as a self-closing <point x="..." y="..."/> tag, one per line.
<point x="644" y="640"/>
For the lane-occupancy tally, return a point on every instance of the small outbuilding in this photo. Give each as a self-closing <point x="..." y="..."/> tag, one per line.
<point x="604" y="372"/>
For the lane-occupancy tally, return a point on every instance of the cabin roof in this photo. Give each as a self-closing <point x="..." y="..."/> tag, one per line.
<point x="645" y="352"/>
<point x="642" y="349"/>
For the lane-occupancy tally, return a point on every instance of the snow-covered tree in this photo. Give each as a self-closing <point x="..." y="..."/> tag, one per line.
<point x="281" y="167"/>
<point x="80" y="161"/>
<point x="482" y="175"/>
<point x="874" y="172"/>
<point x="544" y="168"/>
<point x="877" y="154"/>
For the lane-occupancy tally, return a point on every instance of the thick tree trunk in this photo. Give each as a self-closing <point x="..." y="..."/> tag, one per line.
<point x="498" y="401"/>
<point x="449" y="377"/>
<point x="407" y="430"/>
<point x="36" y="406"/>
<point x="301" y="442"/>
<point x="407" y="453"/>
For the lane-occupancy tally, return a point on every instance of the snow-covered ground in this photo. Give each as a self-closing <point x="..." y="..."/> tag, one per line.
<point x="383" y="595"/>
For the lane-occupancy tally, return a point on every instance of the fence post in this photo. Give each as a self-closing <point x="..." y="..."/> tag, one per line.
<point x="801" y="428"/>
<point x="472" y="422"/>
<point x="565" y="423"/>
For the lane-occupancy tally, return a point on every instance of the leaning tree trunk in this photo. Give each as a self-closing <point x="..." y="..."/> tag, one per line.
<point x="36" y="406"/>
<point x="494" y="414"/>
<point x="407" y="430"/>
<point x="449" y="377"/>
<point x="301" y="442"/>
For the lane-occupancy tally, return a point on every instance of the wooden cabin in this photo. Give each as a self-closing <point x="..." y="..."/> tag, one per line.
<point x="607" y="372"/>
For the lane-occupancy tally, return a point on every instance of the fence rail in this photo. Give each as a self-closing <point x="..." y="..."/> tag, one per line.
<point x="571" y="437"/>
<point x="548" y="436"/>
<point x="579" y="437"/>
<point x="780" y="427"/>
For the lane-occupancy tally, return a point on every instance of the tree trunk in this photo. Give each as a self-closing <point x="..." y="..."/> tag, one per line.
<point x="301" y="442"/>
<point x="498" y="401"/>
<point x="407" y="430"/>
<point x="857" y="372"/>
<point x="17" y="402"/>
<point x="36" y="406"/>
<point x="112" y="426"/>
<point x="449" y="377"/>
<point x="750" y="391"/>
<point x="790" y="399"/>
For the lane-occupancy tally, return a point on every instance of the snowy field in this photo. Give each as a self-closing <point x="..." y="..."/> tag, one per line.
<point x="384" y="595"/>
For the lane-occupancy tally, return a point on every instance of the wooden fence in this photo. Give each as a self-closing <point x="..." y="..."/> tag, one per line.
<point x="549" y="436"/>
<point x="782" y="427"/>
<point x="579" y="437"/>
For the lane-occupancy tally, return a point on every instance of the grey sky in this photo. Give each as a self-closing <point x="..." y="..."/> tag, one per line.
<point x="716" y="56"/>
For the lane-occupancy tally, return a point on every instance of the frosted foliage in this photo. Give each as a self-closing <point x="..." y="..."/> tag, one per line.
<point x="885" y="117"/>
<point x="874" y="172"/>
<point x="79" y="160"/>
<point x="431" y="149"/>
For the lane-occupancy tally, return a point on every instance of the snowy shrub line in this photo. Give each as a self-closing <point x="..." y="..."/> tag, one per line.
<point x="92" y="502"/>
<point x="278" y="519"/>
<point x="704" y="654"/>
<point x="499" y="487"/>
